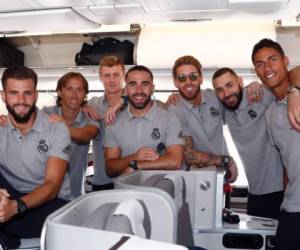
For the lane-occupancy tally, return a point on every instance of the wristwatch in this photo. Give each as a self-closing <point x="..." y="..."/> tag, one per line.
<point x="225" y="160"/>
<point x="133" y="164"/>
<point x="293" y="89"/>
<point x="21" y="206"/>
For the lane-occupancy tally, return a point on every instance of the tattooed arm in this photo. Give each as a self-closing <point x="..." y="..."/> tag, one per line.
<point x="198" y="158"/>
<point x="202" y="159"/>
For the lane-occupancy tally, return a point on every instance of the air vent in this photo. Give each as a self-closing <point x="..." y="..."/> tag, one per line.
<point x="192" y="20"/>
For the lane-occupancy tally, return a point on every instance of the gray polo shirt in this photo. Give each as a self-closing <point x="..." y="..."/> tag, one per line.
<point x="23" y="158"/>
<point x="130" y="133"/>
<point x="100" y="176"/>
<point x="260" y="158"/>
<point x="204" y="123"/>
<point x="288" y="141"/>
<point x="79" y="151"/>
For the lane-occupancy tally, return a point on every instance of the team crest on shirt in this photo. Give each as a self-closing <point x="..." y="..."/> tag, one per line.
<point x="252" y="113"/>
<point x="214" y="111"/>
<point x="67" y="149"/>
<point x="155" y="135"/>
<point x="42" y="147"/>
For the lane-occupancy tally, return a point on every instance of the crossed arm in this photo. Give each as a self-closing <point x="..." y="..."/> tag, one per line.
<point x="146" y="158"/>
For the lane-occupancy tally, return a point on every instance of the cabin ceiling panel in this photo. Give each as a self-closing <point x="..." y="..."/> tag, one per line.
<point x="15" y="5"/>
<point x="58" y="20"/>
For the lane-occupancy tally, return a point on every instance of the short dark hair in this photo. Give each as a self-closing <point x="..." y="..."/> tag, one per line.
<point x="20" y="73"/>
<point x="222" y="71"/>
<point x="186" y="60"/>
<point x="139" y="68"/>
<point x="267" y="43"/>
<point x="62" y="82"/>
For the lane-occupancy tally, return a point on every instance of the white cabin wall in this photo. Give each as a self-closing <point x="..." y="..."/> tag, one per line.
<point x="290" y="41"/>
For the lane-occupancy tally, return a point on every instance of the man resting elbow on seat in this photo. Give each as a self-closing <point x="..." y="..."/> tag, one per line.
<point x="34" y="158"/>
<point x="144" y="135"/>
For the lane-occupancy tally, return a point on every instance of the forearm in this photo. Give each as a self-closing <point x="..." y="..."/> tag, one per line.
<point x="41" y="194"/>
<point x="115" y="167"/>
<point x="201" y="159"/>
<point x="294" y="76"/>
<point x="83" y="135"/>
<point x="198" y="158"/>
<point x="166" y="162"/>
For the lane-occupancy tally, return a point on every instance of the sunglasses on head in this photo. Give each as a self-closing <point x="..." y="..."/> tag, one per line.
<point x="192" y="76"/>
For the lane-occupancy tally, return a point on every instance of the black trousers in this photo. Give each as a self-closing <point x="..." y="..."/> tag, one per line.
<point x="108" y="186"/>
<point x="288" y="231"/>
<point x="30" y="224"/>
<point x="265" y="205"/>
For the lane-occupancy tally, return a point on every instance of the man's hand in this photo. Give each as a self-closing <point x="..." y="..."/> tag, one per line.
<point x="146" y="154"/>
<point x="3" y="120"/>
<point x="90" y="112"/>
<point x="294" y="109"/>
<point x="8" y="207"/>
<point x="254" y="92"/>
<point x="128" y="171"/>
<point x="55" y="118"/>
<point x="110" y="115"/>
<point x="233" y="171"/>
<point x="173" y="99"/>
<point x="4" y="192"/>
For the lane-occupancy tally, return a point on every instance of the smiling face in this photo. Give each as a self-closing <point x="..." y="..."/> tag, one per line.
<point x="139" y="88"/>
<point x="112" y="78"/>
<point x="229" y="90"/>
<point x="20" y="97"/>
<point x="189" y="88"/>
<point x="72" y="93"/>
<point x="271" y="68"/>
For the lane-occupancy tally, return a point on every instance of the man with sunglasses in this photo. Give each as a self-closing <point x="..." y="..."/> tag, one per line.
<point x="201" y="115"/>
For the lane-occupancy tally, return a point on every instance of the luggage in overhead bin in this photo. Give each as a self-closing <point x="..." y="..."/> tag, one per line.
<point x="9" y="55"/>
<point x="92" y="54"/>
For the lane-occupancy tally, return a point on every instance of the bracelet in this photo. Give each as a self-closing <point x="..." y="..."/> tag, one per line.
<point x="293" y="89"/>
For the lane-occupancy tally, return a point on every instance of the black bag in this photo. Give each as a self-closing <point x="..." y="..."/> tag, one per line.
<point x="9" y="55"/>
<point x="93" y="54"/>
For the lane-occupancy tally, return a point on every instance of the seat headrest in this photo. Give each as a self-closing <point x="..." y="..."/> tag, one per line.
<point x="128" y="216"/>
<point x="172" y="183"/>
<point x="134" y="211"/>
<point x="160" y="182"/>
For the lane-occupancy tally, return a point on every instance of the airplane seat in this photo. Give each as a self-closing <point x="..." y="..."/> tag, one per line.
<point x="135" y="213"/>
<point x="30" y="244"/>
<point x="128" y="216"/>
<point x="174" y="185"/>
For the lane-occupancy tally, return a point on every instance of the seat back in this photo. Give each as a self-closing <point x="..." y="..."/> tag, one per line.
<point x="174" y="184"/>
<point x="108" y="210"/>
<point x="30" y="244"/>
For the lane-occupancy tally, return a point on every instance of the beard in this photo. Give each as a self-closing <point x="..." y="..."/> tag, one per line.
<point x="24" y="117"/>
<point x="139" y="105"/>
<point x="189" y="97"/>
<point x="239" y="97"/>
